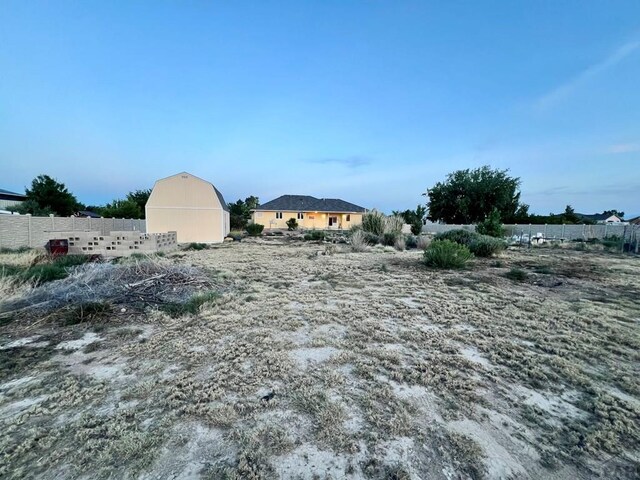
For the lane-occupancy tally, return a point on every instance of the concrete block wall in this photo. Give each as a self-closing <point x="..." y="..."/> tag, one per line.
<point x="118" y="243"/>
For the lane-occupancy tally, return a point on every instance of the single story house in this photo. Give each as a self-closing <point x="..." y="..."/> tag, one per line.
<point x="10" y="199"/>
<point x="601" y="218"/>
<point x="309" y="212"/>
<point x="190" y="206"/>
<point x="635" y="221"/>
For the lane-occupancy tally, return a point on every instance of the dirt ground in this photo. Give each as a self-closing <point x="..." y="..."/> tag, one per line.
<point x="340" y="365"/>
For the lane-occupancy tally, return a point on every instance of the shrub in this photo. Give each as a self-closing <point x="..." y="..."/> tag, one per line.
<point x="446" y="254"/>
<point x="373" y="222"/>
<point x="491" y="225"/>
<point x="416" y="227"/>
<point x="292" y="224"/>
<point x="314" y="235"/>
<point x="400" y="244"/>
<point x="196" y="246"/>
<point x="486" y="246"/>
<point x="255" y="229"/>
<point x="371" y="238"/>
<point x="389" y="239"/>
<point x="516" y="274"/>
<point x="55" y="269"/>
<point x="410" y="241"/>
<point x="463" y="237"/>
<point x="191" y="306"/>
<point x="422" y="242"/>
<point x="393" y="224"/>
<point x="358" y="241"/>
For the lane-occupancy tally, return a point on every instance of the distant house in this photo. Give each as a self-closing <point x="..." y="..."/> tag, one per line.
<point x="190" y="206"/>
<point x="309" y="212"/>
<point x="86" y="214"/>
<point x="600" y="218"/>
<point x="635" y="221"/>
<point x="10" y="199"/>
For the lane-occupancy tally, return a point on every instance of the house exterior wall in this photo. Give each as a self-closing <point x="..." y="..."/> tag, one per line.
<point x="189" y="206"/>
<point x="311" y="220"/>
<point x="4" y="203"/>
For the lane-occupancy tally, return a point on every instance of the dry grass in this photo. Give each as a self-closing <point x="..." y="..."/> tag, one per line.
<point x="356" y="365"/>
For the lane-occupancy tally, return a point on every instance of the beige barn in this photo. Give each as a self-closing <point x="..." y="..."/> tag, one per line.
<point x="190" y="206"/>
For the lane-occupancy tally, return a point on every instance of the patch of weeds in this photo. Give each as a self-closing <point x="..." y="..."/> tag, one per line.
<point x="14" y="250"/>
<point x="314" y="235"/>
<point x="13" y="361"/>
<point x="191" y="306"/>
<point x="374" y="468"/>
<point x="517" y="274"/>
<point x="127" y="333"/>
<point x="497" y="264"/>
<point x="196" y="246"/>
<point x="52" y="269"/>
<point x="467" y="454"/>
<point x="86" y="312"/>
<point x="93" y="347"/>
<point x="543" y="269"/>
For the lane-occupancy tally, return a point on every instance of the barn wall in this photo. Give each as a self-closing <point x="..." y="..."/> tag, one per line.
<point x="189" y="206"/>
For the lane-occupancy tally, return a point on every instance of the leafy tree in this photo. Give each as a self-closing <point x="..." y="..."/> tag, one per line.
<point x="491" y="225"/>
<point x="122" y="209"/>
<point x="617" y="213"/>
<point x="569" y="216"/>
<point x="32" y="207"/>
<point x="413" y="218"/>
<point x="46" y="196"/>
<point x="140" y="197"/>
<point x="240" y="212"/>
<point x="469" y="196"/>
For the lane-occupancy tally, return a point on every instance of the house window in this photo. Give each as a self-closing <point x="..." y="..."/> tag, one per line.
<point x="279" y="215"/>
<point x="348" y="217"/>
<point x="300" y="216"/>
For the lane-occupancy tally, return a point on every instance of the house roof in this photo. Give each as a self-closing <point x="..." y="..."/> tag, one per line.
<point x="635" y="221"/>
<point x="306" y="203"/>
<point x="87" y="213"/>
<point x="12" y="194"/>
<point x="596" y="217"/>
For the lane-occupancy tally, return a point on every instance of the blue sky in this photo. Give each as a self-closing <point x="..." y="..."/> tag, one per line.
<point x="371" y="101"/>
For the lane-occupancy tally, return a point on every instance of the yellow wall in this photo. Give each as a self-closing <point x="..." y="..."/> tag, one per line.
<point x="189" y="206"/>
<point x="320" y="221"/>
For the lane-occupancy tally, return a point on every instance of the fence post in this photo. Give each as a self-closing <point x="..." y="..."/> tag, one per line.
<point x="73" y="223"/>
<point x="624" y="236"/>
<point x="545" y="232"/>
<point x="605" y="230"/>
<point x="89" y="223"/>
<point x="562" y="234"/>
<point x="53" y="221"/>
<point x="29" y="230"/>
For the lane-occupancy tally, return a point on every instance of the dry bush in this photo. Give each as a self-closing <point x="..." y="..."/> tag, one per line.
<point x="358" y="241"/>
<point x="423" y="242"/>
<point x="393" y="224"/>
<point x="400" y="244"/>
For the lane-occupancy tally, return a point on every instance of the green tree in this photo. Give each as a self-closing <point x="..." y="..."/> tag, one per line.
<point x="46" y="196"/>
<point x="240" y="212"/>
<point x="469" y="196"/>
<point x="140" y="197"/>
<point x="491" y="225"/>
<point x="569" y="216"/>
<point x="121" y="209"/>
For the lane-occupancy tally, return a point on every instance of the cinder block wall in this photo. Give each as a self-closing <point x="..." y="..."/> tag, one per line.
<point x="28" y="231"/>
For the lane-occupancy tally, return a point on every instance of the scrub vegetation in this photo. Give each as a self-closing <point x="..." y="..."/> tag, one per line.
<point x="270" y="358"/>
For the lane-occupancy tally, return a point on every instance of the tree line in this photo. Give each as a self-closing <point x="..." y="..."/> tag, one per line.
<point x="47" y="196"/>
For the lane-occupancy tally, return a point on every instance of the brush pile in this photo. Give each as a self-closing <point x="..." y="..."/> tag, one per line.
<point x="134" y="286"/>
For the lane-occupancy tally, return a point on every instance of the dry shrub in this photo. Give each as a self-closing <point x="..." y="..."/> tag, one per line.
<point x="358" y="241"/>
<point x="393" y="224"/>
<point x="422" y="242"/>
<point x="400" y="244"/>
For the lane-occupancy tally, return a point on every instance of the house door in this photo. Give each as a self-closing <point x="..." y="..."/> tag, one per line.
<point x="333" y="221"/>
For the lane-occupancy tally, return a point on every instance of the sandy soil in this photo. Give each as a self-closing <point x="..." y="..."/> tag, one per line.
<point x="350" y="365"/>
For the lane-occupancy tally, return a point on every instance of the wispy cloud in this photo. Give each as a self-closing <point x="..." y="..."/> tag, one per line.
<point x="351" y="162"/>
<point x="550" y="99"/>
<point x="624" y="148"/>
